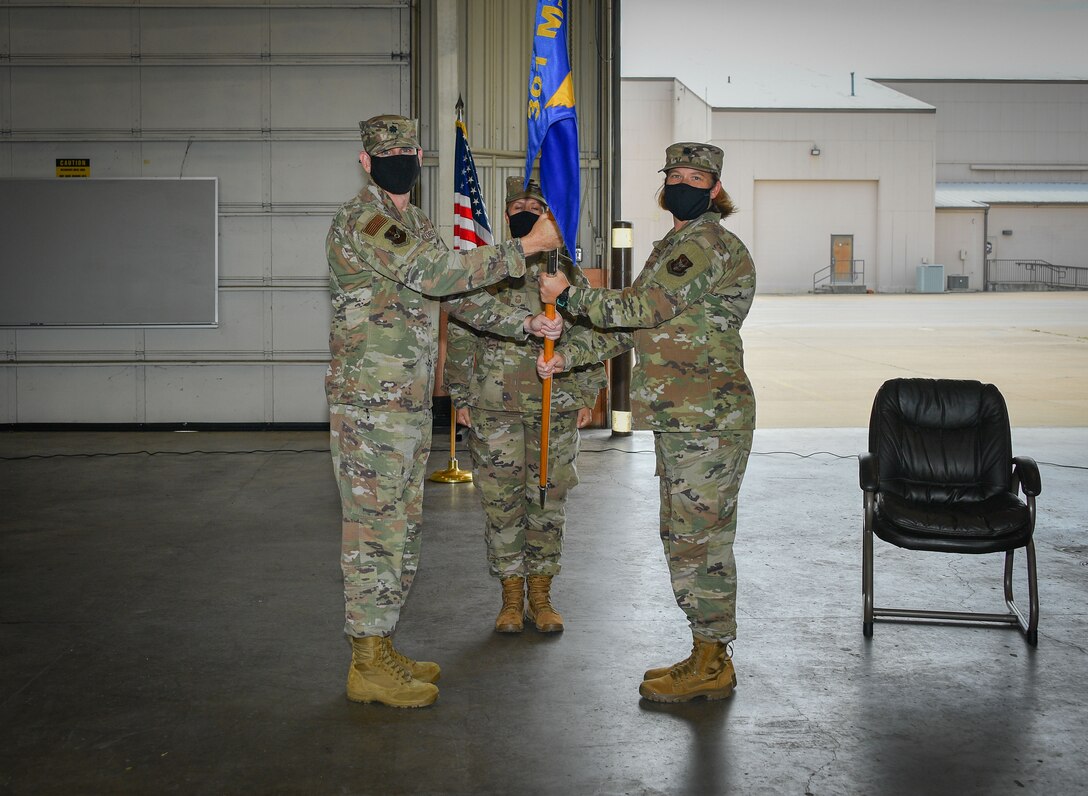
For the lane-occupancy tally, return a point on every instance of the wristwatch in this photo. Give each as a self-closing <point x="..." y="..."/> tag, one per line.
<point x="561" y="299"/>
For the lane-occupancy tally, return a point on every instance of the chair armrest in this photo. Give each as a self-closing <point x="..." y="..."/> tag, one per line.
<point x="867" y="472"/>
<point x="1026" y="470"/>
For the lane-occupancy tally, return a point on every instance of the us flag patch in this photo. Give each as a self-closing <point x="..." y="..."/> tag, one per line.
<point x="373" y="226"/>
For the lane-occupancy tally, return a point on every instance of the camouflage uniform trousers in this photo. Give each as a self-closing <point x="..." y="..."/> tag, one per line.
<point x="700" y="476"/>
<point x="522" y="538"/>
<point x="379" y="459"/>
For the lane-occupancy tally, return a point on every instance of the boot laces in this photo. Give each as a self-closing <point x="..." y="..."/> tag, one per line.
<point x="542" y="604"/>
<point x="684" y="669"/>
<point x="400" y="658"/>
<point x="395" y="662"/>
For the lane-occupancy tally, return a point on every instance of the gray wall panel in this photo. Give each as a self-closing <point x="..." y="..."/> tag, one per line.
<point x="326" y="173"/>
<point x="346" y="95"/>
<point x="84" y="98"/>
<point x="201" y="98"/>
<point x="108" y="252"/>
<point x="70" y="31"/>
<point x="298" y="247"/>
<point x="245" y="248"/>
<point x="100" y="394"/>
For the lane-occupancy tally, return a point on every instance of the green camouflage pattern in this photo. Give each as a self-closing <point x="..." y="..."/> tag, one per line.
<point x="517" y="189"/>
<point x="700" y="477"/>
<point x="387" y="271"/>
<point x="496" y="378"/>
<point x="379" y="459"/>
<point x="521" y="537"/>
<point x="704" y="157"/>
<point x="686" y="308"/>
<point x="380" y="133"/>
<point x="491" y="372"/>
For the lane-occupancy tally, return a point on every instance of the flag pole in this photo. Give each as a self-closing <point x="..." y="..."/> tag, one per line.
<point x="546" y="389"/>
<point x="553" y="135"/>
<point x="452" y="474"/>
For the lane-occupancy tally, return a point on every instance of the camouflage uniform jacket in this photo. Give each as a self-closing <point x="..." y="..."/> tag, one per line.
<point x="386" y="270"/>
<point x="489" y="372"/>
<point x="686" y="307"/>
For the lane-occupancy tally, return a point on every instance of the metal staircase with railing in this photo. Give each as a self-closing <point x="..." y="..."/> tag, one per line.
<point x="834" y="280"/>
<point x="1028" y="274"/>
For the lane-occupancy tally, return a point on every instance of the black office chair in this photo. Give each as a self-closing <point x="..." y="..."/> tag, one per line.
<point x="940" y="476"/>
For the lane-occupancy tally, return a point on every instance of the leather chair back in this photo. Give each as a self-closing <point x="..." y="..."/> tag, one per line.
<point x="941" y="441"/>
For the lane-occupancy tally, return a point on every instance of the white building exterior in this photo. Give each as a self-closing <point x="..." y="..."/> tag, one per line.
<point x="804" y="161"/>
<point x="888" y="151"/>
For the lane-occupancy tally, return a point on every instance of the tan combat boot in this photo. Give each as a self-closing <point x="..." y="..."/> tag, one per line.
<point x="375" y="676"/>
<point x="424" y="671"/>
<point x="513" y="602"/>
<point x="659" y="671"/>
<point x="540" y="610"/>
<point x="707" y="673"/>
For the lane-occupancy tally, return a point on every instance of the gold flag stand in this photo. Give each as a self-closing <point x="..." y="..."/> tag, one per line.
<point x="452" y="474"/>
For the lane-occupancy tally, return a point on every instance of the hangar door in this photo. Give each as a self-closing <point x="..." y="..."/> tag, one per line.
<point x="796" y="222"/>
<point x="265" y="97"/>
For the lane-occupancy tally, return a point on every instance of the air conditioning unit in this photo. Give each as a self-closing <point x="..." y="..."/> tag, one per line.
<point x="930" y="279"/>
<point x="957" y="282"/>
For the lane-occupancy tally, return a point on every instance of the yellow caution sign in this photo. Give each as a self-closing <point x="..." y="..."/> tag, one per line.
<point x="73" y="167"/>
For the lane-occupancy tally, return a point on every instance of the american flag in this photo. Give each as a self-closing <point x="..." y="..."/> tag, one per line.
<point x="470" y="225"/>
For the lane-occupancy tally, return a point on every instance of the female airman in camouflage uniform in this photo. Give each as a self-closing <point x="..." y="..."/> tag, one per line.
<point x="386" y="265"/>
<point x="493" y="384"/>
<point x="689" y="386"/>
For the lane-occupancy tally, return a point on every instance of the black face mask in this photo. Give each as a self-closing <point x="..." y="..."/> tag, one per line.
<point x="686" y="201"/>
<point x="395" y="173"/>
<point x="521" y="223"/>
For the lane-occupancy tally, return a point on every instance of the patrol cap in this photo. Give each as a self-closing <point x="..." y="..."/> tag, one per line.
<point x="516" y="189"/>
<point x="704" y="157"/>
<point x="387" y="131"/>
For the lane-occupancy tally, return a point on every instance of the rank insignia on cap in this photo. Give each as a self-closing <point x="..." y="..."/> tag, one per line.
<point x="679" y="266"/>
<point x="397" y="236"/>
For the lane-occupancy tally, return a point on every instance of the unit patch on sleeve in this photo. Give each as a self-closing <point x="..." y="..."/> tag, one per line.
<point x="679" y="265"/>
<point x="396" y="235"/>
<point x="682" y="267"/>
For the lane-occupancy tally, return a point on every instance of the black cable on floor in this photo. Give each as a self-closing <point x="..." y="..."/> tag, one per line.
<point x="433" y="450"/>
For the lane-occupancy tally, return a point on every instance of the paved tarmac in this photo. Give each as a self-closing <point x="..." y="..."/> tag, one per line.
<point x="817" y="361"/>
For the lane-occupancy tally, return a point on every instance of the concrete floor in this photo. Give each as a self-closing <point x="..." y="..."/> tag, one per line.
<point x="171" y="623"/>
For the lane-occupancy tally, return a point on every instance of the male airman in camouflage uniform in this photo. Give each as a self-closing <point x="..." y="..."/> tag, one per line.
<point x="387" y="266"/>
<point x="493" y="383"/>
<point x="689" y="386"/>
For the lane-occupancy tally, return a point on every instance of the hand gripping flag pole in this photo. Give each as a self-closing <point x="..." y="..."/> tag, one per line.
<point x="553" y="132"/>
<point x="470" y="229"/>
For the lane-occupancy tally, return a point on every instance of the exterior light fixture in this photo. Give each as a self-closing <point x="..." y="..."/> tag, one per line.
<point x="815" y="151"/>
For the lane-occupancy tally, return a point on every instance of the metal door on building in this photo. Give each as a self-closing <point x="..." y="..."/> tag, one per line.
<point x="842" y="258"/>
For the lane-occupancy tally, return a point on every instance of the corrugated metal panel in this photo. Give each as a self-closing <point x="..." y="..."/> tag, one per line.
<point x="265" y="97"/>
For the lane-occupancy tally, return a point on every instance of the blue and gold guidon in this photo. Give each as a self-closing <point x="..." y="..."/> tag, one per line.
<point x="553" y="118"/>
